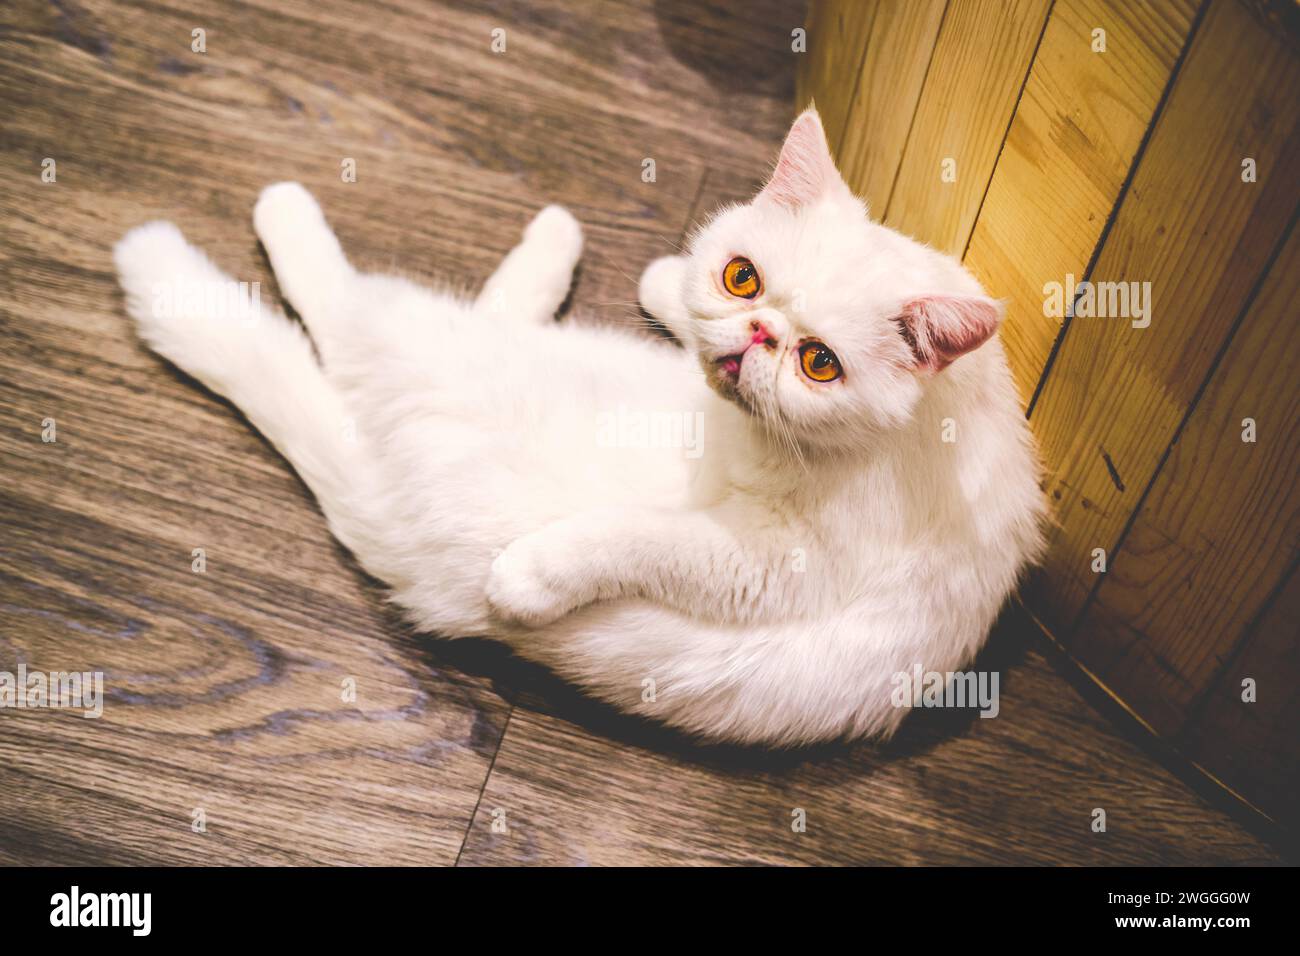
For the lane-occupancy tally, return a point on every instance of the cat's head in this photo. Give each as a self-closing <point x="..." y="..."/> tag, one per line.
<point x="822" y="323"/>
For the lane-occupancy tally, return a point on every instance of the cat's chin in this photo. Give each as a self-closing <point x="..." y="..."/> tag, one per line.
<point x="724" y="379"/>
<point x="728" y="388"/>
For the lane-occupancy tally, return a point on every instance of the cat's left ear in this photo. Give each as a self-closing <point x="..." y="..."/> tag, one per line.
<point x="805" y="169"/>
<point x="942" y="328"/>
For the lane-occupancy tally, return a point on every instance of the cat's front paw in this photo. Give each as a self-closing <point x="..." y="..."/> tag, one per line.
<point x="660" y="288"/>
<point x="660" y="294"/>
<point x="518" y="588"/>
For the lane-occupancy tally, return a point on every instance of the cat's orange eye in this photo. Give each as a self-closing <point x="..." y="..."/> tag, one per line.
<point x="818" y="362"/>
<point x="740" y="278"/>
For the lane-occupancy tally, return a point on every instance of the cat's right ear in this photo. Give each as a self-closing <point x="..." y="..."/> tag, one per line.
<point x="940" y="329"/>
<point x="805" y="169"/>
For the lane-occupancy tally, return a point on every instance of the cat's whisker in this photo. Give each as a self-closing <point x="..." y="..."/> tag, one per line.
<point x="614" y="263"/>
<point x="681" y="250"/>
<point x="775" y="420"/>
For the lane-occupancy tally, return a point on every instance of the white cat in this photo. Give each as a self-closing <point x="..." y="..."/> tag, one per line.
<point x="746" y="539"/>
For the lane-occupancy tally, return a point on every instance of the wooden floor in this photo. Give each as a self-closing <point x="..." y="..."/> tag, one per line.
<point x="223" y="687"/>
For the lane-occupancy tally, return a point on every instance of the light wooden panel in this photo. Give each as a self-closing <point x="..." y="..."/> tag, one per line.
<point x="1219" y="528"/>
<point x="888" y="89"/>
<point x="838" y="32"/>
<point x="980" y="62"/>
<point x="1074" y="139"/>
<point x="1188" y="225"/>
<point x="1123" y="165"/>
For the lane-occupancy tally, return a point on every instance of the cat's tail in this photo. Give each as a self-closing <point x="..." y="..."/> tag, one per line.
<point x="219" y="331"/>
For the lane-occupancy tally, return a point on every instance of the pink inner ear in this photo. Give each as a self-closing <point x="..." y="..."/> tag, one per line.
<point x="942" y="328"/>
<point x="805" y="168"/>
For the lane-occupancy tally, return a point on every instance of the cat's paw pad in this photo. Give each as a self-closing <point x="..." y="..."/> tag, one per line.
<point x="283" y="210"/>
<point x="556" y="229"/>
<point x="518" y="591"/>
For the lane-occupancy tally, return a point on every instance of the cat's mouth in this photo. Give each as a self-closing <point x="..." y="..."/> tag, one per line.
<point x="728" y="366"/>
<point x="726" y="373"/>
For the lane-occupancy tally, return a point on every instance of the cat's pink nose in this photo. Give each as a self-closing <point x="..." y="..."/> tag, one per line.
<point x="761" y="335"/>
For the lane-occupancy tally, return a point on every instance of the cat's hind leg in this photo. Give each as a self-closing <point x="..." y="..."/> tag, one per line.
<point x="314" y="275"/>
<point x="660" y="292"/>
<point x="217" y="330"/>
<point x="533" y="281"/>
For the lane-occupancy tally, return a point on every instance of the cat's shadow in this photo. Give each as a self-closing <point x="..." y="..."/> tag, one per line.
<point x="756" y="59"/>
<point x="524" y="684"/>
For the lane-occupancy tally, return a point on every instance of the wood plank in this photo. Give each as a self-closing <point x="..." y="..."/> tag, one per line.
<point x="838" y="32"/>
<point x="1253" y="747"/>
<point x="575" y="784"/>
<point x="223" y="693"/>
<point x="1200" y="236"/>
<point x="1074" y="138"/>
<point x="980" y="63"/>
<point x="888" y="89"/>
<point x="1218" y="529"/>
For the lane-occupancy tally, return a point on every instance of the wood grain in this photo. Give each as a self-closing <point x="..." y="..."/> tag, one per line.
<point x="894" y="67"/>
<point x="1252" y="746"/>
<point x="1201" y="237"/>
<point x="1126" y="165"/>
<point x="838" y="39"/>
<point x="1074" y="138"/>
<point x="1217" y="532"/>
<point x="224" y="687"/>
<point x="979" y="65"/>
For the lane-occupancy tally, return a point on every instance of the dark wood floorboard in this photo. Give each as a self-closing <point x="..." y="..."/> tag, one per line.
<point x="224" y="687"/>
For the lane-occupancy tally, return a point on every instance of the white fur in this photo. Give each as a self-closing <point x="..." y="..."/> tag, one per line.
<point x="768" y="590"/>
